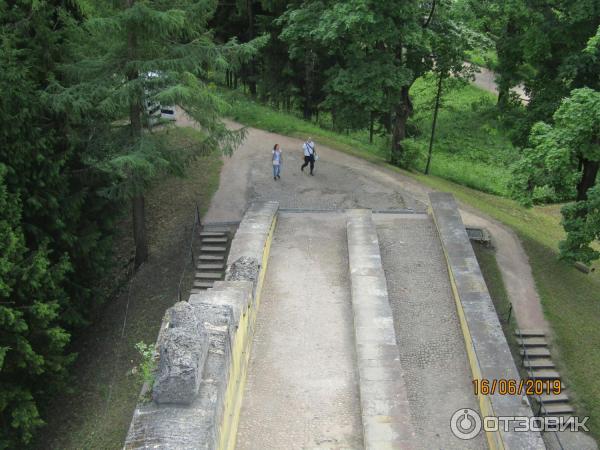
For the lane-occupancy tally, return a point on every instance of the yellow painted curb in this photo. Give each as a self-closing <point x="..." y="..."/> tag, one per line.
<point x="494" y="438"/>
<point x="240" y="355"/>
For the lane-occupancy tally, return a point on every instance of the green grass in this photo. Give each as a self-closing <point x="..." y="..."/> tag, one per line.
<point x="570" y="299"/>
<point x="96" y="413"/>
<point x="486" y="257"/>
<point x="470" y="146"/>
<point x="483" y="58"/>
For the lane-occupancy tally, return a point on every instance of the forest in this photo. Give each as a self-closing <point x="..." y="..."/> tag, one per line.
<point x="79" y="147"/>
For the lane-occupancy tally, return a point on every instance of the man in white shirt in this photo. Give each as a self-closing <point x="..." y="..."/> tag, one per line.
<point x="309" y="155"/>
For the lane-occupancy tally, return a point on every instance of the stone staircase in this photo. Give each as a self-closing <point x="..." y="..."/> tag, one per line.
<point x="211" y="263"/>
<point x="538" y="363"/>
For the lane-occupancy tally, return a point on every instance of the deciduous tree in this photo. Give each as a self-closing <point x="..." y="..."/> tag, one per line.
<point x="564" y="158"/>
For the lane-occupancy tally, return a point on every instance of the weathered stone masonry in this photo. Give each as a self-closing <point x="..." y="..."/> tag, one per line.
<point x="203" y="349"/>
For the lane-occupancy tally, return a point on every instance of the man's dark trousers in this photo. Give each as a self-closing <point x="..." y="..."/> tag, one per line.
<point x="309" y="160"/>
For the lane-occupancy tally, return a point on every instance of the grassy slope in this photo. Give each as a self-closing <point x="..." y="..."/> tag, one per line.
<point x="97" y="413"/>
<point x="570" y="299"/>
<point x="470" y="147"/>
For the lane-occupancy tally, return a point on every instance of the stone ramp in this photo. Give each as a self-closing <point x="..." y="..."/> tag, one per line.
<point x="384" y="404"/>
<point x="432" y="350"/>
<point x="302" y="388"/>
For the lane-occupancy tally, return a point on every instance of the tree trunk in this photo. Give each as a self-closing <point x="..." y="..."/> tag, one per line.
<point x="139" y="230"/>
<point x="504" y="86"/>
<point x="306" y="110"/>
<point x="251" y="68"/>
<point x="503" y="93"/>
<point x="371" y="127"/>
<point x="402" y="111"/>
<point x="135" y="119"/>
<point x="386" y="121"/>
<point x="588" y="178"/>
<point x="308" y="85"/>
<point x="435" y="115"/>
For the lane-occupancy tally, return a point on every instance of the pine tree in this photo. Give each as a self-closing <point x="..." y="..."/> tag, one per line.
<point x="137" y="53"/>
<point x="54" y="227"/>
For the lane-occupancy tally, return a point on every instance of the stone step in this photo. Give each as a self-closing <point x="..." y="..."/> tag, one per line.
<point x="529" y="333"/>
<point x="209" y="275"/>
<point x="202" y="285"/>
<point x="543" y="374"/>
<point x="538" y="363"/>
<point x="557" y="409"/>
<point x="216" y="266"/>
<point x="209" y="234"/>
<point x="215" y="240"/>
<point x="216" y="229"/>
<point x="213" y="249"/>
<point x="532" y="342"/>
<point x="536" y="352"/>
<point x="211" y="257"/>
<point x="551" y="398"/>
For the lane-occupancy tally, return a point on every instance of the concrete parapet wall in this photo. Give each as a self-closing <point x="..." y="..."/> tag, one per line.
<point x="384" y="403"/>
<point x="487" y="349"/>
<point x="203" y="348"/>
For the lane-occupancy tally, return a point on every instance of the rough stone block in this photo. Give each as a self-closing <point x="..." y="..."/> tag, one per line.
<point x="244" y="268"/>
<point x="180" y="370"/>
<point x="182" y="348"/>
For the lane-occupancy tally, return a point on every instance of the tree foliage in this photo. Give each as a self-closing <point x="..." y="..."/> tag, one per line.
<point x="54" y="226"/>
<point x="563" y="162"/>
<point x="135" y="54"/>
<point x="75" y="143"/>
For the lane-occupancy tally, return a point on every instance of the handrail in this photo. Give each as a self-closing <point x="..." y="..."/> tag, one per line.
<point x="191" y="250"/>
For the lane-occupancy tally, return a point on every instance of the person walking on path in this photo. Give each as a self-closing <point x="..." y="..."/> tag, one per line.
<point x="277" y="162"/>
<point x="309" y="155"/>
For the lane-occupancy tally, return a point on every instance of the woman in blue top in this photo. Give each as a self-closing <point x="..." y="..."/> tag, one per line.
<point x="276" y="162"/>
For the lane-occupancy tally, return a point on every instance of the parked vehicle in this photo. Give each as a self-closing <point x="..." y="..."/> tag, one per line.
<point x="154" y="110"/>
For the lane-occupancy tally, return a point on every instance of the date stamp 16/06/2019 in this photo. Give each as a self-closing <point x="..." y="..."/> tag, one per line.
<point x="516" y="387"/>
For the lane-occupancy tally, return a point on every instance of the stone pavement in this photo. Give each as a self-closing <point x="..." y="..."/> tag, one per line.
<point x="432" y="349"/>
<point x="302" y="387"/>
<point x="340" y="181"/>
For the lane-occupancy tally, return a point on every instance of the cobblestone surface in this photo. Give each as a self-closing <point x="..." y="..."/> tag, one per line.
<point x="302" y="388"/>
<point x="432" y="349"/>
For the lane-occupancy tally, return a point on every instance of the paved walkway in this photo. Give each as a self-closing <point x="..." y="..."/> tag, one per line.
<point x="432" y="349"/>
<point x="344" y="181"/>
<point x="302" y="388"/>
<point x="486" y="80"/>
